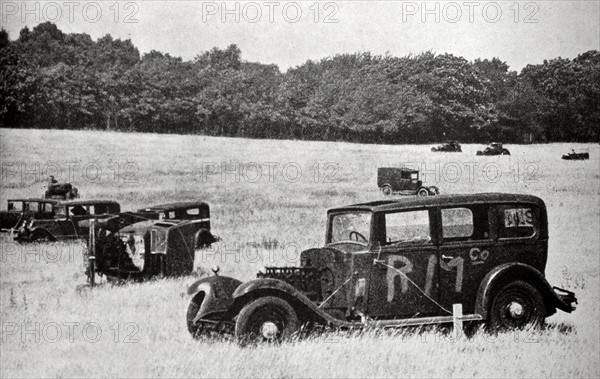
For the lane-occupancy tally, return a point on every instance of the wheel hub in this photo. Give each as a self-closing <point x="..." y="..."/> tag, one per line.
<point x="269" y="330"/>
<point x="516" y="310"/>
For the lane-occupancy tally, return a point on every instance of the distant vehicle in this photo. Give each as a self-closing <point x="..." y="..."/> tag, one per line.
<point x="162" y="245"/>
<point x="448" y="147"/>
<point x="70" y="221"/>
<point x="19" y="211"/>
<point x="402" y="181"/>
<point x="395" y="264"/>
<point x="494" y="148"/>
<point x="573" y="156"/>
<point x="60" y="191"/>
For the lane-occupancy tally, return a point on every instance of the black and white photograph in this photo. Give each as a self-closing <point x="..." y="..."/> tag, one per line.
<point x="299" y="189"/>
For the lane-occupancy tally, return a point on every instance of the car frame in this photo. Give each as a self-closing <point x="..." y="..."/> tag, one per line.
<point x="14" y="217"/>
<point x="576" y="156"/>
<point x="448" y="147"/>
<point x="494" y="148"/>
<point x="71" y="221"/>
<point x="402" y="181"/>
<point x="163" y="244"/>
<point x="493" y="265"/>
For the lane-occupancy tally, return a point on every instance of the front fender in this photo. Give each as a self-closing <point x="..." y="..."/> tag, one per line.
<point x="214" y="294"/>
<point x="268" y="287"/>
<point x="517" y="271"/>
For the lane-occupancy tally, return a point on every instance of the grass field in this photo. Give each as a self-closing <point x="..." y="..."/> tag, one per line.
<point x="265" y="193"/>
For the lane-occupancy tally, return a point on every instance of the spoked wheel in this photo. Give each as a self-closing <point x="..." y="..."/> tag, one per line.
<point x="267" y="319"/>
<point x="422" y="192"/>
<point x="387" y="190"/>
<point x="517" y="306"/>
<point x="192" y="311"/>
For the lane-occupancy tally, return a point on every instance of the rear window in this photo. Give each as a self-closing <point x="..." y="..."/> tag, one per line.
<point x="465" y="223"/>
<point x="15" y="206"/>
<point x="33" y="206"/>
<point x="516" y="221"/>
<point x="193" y="211"/>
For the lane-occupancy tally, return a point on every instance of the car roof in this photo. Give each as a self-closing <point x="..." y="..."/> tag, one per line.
<point x="403" y="169"/>
<point x="441" y="200"/>
<point x="40" y="200"/>
<point x="173" y="206"/>
<point x="87" y="202"/>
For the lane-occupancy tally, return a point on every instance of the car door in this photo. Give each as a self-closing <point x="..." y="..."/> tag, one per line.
<point x="403" y="281"/>
<point x="467" y="253"/>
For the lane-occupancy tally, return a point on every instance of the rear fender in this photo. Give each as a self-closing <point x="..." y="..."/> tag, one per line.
<point x="215" y="294"/>
<point x="306" y="309"/>
<point x="508" y="272"/>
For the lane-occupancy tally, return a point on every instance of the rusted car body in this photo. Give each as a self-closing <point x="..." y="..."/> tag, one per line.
<point x="163" y="244"/>
<point x="494" y="148"/>
<point x="398" y="263"/>
<point x="70" y="221"/>
<point x="19" y="211"/>
<point x="448" y="147"/>
<point x="402" y="181"/>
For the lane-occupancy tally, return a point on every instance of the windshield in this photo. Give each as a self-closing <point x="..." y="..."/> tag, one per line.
<point x="351" y="227"/>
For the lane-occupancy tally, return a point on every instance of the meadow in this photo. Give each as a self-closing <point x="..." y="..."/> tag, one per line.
<point x="268" y="202"/>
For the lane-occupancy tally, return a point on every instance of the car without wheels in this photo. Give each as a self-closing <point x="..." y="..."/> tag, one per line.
<point x="163" y="244"/>
<point x="494" y="148"/>
<point x="448" y="147"/>
<point x="394" y="264"/>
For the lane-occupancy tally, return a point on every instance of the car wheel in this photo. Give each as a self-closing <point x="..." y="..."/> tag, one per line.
<point x="387" y="190"/>
<point x="423" y="192"/>
<point x="479" y="152"/>
<point x="518" y="305"/>
<point x="433" y="149"/>
<point x="505" y="152"/>
<point x="267" y="319"/>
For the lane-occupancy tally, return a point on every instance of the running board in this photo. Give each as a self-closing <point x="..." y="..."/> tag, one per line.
<point x="421" y="321"/>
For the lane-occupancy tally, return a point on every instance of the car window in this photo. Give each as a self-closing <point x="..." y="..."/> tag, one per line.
<point x="15" y="206"/>
<point x="60" y="211"/>
<point x="47" y="207"/>
<point x="193" y="211"/>
<point x="77" y="210"/>
<point x="172" y="215"/>
<point x="351" y="227"/>
<point x="457" y="223"/>
<point x="33" y="206"/>
<point x="516" y="221"/>
<point x="93" y="210"/>
<point x="407" y="227"/>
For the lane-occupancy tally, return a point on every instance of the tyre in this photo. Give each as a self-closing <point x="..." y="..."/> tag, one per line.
<point x="387" y="190"/>
<point x="505" y="152"/>
<point x="267" y="319"/>
<point x="433" y="190"/>
<point x="479" y="152"/>
<point x="422" y="192"/>
<point x="433" y="149"/>
<point x="517" y="306"/>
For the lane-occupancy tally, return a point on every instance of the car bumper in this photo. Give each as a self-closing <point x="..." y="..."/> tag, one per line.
<point x="567" y="299"/>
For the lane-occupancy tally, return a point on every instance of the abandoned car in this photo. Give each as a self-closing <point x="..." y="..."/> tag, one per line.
<point x="448" y="147"/>
<point x="71" y="221"/>
<point x="162" y="245"/>
<point x="573" y="156"/>
<point x="19" y="211"/>
<point x="398" y="263"/>
<point x="60" y="191"/>
<point x="494" y="148"/>
<point x="402" y="181"/>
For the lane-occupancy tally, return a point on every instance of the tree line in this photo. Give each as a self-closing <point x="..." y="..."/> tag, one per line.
<point x="49" y="79"/>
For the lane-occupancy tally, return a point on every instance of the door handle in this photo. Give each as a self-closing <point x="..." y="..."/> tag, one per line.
<point x="447" y="257"/>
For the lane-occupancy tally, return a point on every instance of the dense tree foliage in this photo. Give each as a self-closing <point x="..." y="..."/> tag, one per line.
<point x="49" y="79"/>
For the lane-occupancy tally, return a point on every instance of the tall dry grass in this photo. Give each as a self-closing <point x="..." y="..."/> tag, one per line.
<point x="142" y="325"/>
